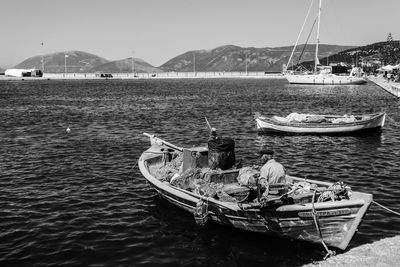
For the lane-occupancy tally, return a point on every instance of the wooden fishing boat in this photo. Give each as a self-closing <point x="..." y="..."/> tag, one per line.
<point x="321" y="124"/>
<point x="303" y="216"/>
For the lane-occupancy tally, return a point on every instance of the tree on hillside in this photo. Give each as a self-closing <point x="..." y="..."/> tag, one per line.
<point x="390" y="53"/>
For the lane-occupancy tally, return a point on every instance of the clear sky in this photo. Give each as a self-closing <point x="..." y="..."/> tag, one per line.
<point x="158" y="30"/>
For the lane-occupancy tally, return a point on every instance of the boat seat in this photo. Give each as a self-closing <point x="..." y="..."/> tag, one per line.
<point x="277" y="189"/>
<point x="241" y="193"/>
<point x="225" y="177"/>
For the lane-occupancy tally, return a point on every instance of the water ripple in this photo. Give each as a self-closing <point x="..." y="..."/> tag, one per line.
<point x="78" y="198"/>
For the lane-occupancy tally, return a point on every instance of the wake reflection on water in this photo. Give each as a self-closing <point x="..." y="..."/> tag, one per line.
<point x="75" y="199"/>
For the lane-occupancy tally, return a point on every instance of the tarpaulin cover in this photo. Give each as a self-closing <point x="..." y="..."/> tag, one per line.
<point x="221" y="145"/>
<point x="221" y="153"/>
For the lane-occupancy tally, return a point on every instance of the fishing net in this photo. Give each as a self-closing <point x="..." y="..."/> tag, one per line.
<point x="172" y="165"/>
<point x="193" y="179"/>
<point x="336" y="192"/>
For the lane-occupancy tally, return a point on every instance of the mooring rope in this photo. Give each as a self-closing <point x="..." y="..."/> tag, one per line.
<point x="392" y="120"/>
<point x="262" y="129"/>
<point x="134" y="166"/>
<point x="314" y="214"/>
<point x="253" y="119"/>
<point x="380" y="205"/>
<point x="131" y="170"/>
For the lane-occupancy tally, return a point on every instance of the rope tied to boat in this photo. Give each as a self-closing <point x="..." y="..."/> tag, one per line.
<point x="386" y="208"/>
<point x="315" y="217"/>
<point x="392" y="120"/>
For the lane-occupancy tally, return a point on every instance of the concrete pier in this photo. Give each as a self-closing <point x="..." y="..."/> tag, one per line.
<point x="391" y="87"/>
<point x="161" y="75"/>
<point x="384" y="252"/>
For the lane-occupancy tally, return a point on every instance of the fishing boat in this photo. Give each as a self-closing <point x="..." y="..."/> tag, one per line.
<point x="320" y="124"/>
<point x="322" y="75"/>
<point x="302" y="209"/>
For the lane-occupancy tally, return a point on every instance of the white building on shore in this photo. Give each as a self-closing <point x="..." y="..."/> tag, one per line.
<point x="23" y="73"/>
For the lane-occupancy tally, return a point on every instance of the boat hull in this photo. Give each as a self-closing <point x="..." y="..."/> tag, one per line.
<point x="375" y="122"/>
<point x="338" y="221"/>
<point x="324" y="79"/>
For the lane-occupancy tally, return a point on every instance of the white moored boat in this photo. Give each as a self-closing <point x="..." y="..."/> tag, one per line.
<point x="324" y="79"/>
<point x="322" y="75"/>
<point x="320" y="124"/>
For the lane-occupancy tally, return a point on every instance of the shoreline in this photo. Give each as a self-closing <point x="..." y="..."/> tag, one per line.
<point x="146" y="76"/>
<point x="389" y="86"/>
<point x="383" y="252"/>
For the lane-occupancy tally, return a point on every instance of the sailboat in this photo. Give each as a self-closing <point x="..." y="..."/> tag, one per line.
<point x="322" y="75"/>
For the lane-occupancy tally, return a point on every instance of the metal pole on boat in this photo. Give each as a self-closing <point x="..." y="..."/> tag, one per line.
<point x="42" y="59"/>
<point x="65" y="65"/>
<point x="317" y="43"/>
<point x="246" y="63"/>
<point x="153" y="138"/>
<point x="133" y="66"/>
<point x="194" y="64"/>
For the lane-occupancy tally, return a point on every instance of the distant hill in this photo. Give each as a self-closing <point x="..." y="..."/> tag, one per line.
<point x="233" y="58"/>
<point x="125" y="66"/>
<point x="77" y="61"/>
<point x="223" y="58"/>
<point x="357" y="54"/>
<point x="82" y="62"/>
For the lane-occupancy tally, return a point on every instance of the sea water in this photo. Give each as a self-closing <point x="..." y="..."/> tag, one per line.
<point x="71" y="192"/>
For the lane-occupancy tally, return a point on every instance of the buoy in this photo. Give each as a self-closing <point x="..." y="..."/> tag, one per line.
<point x="68" y="130"/>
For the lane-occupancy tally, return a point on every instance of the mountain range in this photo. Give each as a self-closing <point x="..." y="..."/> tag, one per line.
<point x="223" y="58"/>
<point x="233" y="58"/>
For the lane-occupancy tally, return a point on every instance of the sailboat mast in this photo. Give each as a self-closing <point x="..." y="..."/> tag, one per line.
<point x="317" y="43"/>
<point x="298" y="37"/>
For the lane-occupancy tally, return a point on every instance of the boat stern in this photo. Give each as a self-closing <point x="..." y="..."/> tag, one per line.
<point x="334" y="223"/>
